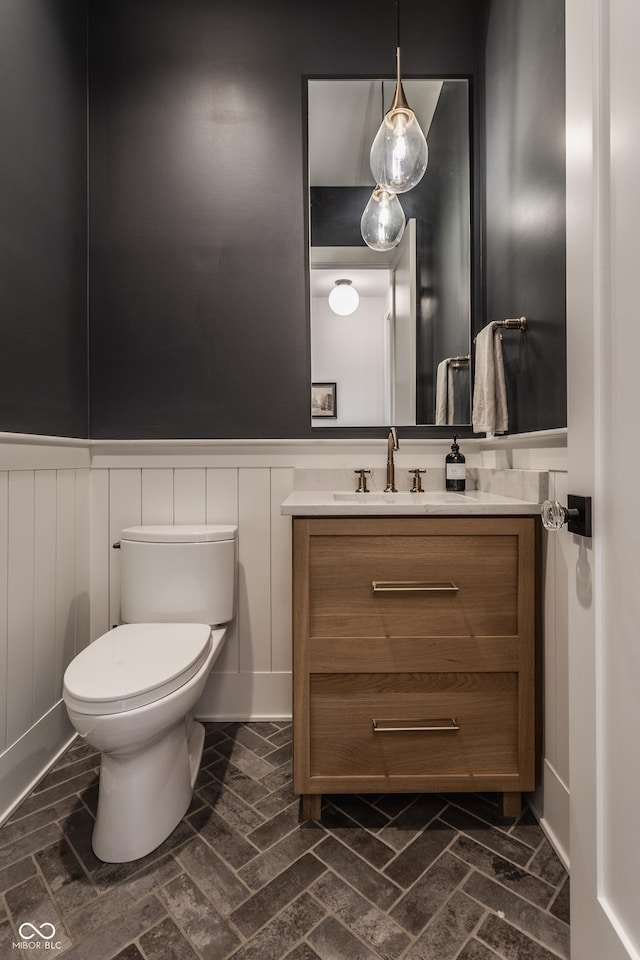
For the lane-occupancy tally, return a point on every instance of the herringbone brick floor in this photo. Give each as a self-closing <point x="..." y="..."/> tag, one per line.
<point x="391" y="877"/>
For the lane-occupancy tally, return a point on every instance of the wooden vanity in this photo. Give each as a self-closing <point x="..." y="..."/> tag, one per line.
<point x="415" y="655"/>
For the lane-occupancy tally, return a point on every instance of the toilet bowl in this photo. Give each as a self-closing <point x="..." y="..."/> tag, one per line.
<point x="132" y="692"/>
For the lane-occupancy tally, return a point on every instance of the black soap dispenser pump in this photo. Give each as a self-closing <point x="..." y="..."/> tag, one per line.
<point x="455" y="469"/>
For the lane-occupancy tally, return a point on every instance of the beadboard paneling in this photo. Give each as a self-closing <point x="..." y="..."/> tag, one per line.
<point x="125" y="510"/>
<point x="27" y="760"/>
<point x="222" y="507"/>
<point x="254" y="557"/>
<point x="82" y="559"/>
<point x="100" y="553"/>
<point x="65" y="574"/>
<point x="44" y="594"/>
<point x="190" y="505"/>
<point x="44" y="614"/>
<point x="157" y="496"/>
<point x="222" y="495"/>
<point x="258" y="642"/>
<point x="20" y="603"/>
<point x="251" y="677"/>
<point x="281" y="486"/>
<point x="556" y="677"/>
<point x="551" y="799"/>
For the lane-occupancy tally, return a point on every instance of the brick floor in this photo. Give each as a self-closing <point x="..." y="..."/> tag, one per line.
<point x="381" y="877"/>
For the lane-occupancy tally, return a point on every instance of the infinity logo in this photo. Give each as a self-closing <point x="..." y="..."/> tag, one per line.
<point x="37" y="931"/>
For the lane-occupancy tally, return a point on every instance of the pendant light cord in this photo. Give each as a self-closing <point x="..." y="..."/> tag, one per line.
<point x="398" y="22"/>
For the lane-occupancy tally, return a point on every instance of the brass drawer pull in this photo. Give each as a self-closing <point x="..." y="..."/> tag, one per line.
<point x="414" y="726"/>
<point x="413" y="586"/>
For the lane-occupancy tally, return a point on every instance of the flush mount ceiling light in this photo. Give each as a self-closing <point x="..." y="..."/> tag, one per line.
<point x="399" y="151"/>
<point x="383" y="221"/>
<point x="344" y="298"/>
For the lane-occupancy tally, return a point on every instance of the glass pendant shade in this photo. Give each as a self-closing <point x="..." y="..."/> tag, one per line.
<point x="344" y="298"/>
<point x="382" y="223"/>
<point x="399" y="152"/>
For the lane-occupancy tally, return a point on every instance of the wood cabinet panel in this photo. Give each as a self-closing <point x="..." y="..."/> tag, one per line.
<point x="402" y="654"/>
<point x="434" y="585"/>
<point x="406" y="655"/>
<point x="345" y="745"/>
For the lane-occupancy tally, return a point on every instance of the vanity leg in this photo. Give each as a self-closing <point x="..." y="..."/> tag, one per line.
<point x="510" y="804"/>
<point x="311" y="806"/>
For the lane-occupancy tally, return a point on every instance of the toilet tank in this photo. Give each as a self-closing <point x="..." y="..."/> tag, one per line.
<point x="178" y="573"/>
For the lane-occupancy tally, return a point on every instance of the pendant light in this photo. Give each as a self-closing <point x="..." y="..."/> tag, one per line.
<point x="399" y="151"/>
<point x="383" y="222"/>
<point x="344" y="298"/>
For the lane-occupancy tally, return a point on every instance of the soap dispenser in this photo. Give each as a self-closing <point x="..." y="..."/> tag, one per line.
<point x="455" y="469"/>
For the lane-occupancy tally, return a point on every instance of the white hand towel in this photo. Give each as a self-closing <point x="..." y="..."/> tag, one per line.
<point x="490" y="414"/>
<point x="444" y="393"/>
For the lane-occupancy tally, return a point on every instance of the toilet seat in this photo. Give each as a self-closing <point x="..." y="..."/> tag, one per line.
<point x="134" y="665"/>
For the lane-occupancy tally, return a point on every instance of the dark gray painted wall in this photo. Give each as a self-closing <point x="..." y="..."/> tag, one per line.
<point x="336" y="213"/>
<point x="198" y="214"/>
<point x="43" y="348"/>
<point x="524" y="244"/>
<point x="444" y="304"/>
<point x="198" y="295"/>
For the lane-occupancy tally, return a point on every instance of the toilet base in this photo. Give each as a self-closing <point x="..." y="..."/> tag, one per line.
<point x="143" y="795"/>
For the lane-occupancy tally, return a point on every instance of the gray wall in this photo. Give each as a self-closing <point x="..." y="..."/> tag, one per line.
<point x="198" y="309"/>
<point x="43" y="347"/>
<point x="524" y="222"/>
<point x="444" y="304"/>
<point x="198" y="297"/>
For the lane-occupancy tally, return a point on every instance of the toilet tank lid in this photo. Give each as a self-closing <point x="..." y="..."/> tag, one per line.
<point x="181" y="533"/>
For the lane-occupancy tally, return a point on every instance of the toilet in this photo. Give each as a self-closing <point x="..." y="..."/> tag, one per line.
<point x="132" y="692"/>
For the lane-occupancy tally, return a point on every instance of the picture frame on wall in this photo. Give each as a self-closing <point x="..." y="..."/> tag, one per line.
<point x="323" y="400"/>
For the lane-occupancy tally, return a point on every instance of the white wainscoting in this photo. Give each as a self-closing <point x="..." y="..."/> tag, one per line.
<point x="551" y="799"/>
<point x="230" y="481"/>
<point x="252" y="676"/>
<point x="44" y="603"/>
<point x="59" y="519"/>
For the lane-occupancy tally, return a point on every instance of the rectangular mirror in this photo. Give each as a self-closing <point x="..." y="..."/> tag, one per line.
<point x="403" y="355"/>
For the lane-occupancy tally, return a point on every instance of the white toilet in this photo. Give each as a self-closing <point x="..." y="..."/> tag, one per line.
<point x="132" y="692"/>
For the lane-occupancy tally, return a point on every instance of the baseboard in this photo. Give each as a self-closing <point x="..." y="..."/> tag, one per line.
<point x="227" y="696"/>
<point x="550" y="805"/>
<point x="25" y="763"/>
<point x="246" y="696"/>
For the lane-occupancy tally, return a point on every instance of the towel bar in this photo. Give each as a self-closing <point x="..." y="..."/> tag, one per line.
<point x="518" y="324"/>
<point x="456" y="362"/>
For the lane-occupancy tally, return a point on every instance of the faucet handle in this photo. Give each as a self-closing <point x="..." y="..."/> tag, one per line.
<point x="362" y="480"/>
<point x="417" y="482"/>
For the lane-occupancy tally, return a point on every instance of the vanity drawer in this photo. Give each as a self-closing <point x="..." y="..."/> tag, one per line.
<point x="408" y="585"/>
<point x="447" y="674"/>
<point x="467" y="729"/>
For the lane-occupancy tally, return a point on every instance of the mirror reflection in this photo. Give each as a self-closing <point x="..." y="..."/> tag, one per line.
<point x="401" y="355"/>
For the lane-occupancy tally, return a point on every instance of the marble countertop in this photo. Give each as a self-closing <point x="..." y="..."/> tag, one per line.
<point x="329" y="503"/>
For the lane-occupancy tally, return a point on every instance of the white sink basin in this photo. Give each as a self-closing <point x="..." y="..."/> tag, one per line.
<point x="332" y="503"/>
<point x="434" y="496"/>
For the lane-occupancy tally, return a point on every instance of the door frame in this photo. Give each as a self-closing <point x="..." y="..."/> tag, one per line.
<point x="601" y="924"/>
